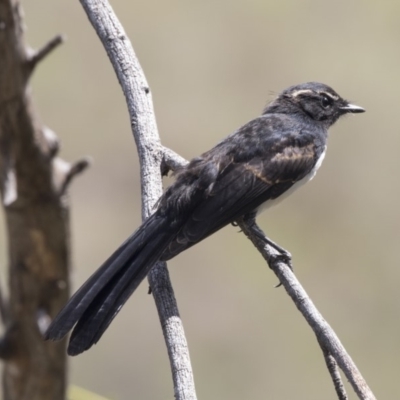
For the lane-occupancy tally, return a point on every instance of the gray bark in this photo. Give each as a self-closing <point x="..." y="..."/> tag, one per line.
<point x="144" y="128"/>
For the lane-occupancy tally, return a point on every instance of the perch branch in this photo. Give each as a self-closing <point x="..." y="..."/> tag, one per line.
<point x="144" y="129"/>
<point x="327" y="339"/>
<point x="325" y="334"/>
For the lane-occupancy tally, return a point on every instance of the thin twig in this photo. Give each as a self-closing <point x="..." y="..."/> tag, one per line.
<point x="333" y="369"/>
<point x="74" y="169"/>
<point x="36" y="56"/>
<point x="327" y="339"/>
<point x="144" y="128"/>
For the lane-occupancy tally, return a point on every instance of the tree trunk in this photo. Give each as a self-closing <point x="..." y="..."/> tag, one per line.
<point x="33" y="183"/>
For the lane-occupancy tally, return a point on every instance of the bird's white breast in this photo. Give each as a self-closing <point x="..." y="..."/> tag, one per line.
<point x="308" y="177"/>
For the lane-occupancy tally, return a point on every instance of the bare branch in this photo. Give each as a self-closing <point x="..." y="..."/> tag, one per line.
<point x="36" y="56"/>
<point x="335" y="375"/>
<point x="325" y="334"/>
<point x="171" y="161"/>
<point x="327" y="338"/>
<point x="144" y="128"/>
<point x="74" y="169"/>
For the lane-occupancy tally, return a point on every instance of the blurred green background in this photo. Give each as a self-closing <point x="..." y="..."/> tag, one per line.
<point x="212" y="66"/>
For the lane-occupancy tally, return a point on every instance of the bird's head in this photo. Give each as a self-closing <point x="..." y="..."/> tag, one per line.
<point x="314" y="100"/>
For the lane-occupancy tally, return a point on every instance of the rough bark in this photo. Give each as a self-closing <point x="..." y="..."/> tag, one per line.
<point x="144" y="128"/>
<point x="33" y="183"/>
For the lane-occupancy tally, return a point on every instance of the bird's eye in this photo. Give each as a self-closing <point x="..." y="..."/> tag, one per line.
<point x="326" y="101"/>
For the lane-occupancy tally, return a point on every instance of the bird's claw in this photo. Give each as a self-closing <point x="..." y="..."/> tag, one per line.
<point x="283" y="256"/>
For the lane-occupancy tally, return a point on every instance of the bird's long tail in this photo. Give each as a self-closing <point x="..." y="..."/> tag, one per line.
<point x="92" y="308"/>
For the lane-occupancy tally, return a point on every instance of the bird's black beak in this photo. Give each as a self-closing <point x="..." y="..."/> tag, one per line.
<point x="352" y="108"/>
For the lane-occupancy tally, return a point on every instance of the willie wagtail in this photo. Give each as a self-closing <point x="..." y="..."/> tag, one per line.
<point x="259" y="164"/>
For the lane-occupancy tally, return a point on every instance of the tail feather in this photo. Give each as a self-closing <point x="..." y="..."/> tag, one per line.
<point x="106" y="305"/>
<point x="131" y="261"/>
<point x="68" y="316"/>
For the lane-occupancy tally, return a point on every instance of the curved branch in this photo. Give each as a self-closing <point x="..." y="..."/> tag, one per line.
<point x="144" y="128"/>
<point x="154" y="159"/>
<point x="327" y="338"/>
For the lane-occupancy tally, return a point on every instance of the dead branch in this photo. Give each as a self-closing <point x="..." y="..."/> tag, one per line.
<point x="144" y="128"/>
<point x="36" y="56"/>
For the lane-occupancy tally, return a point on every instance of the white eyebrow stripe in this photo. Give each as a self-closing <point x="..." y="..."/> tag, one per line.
<point x="332" y="96"/>
<point x="304" y="91"/>
<point x="299" y="92"/>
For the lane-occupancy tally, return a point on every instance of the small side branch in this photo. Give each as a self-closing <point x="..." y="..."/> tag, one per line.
<point x="74" y="169"/>
<point x="171" y="161"/>
<point x="36" y="56"/>
<point x="335" y="375"/>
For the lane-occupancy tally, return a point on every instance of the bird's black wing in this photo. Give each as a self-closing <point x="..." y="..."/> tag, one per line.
<point x="243" y="185"/>
<point x="230" y="180"/>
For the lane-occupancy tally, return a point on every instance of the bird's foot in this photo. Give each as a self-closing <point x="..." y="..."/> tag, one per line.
<point x="283" y="256"/>
<point x="280" y="254"/>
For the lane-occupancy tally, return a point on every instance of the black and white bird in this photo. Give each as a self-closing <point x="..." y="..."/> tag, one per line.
<point x="256" y="166"/>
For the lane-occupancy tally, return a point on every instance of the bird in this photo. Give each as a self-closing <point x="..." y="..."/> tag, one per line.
<point x="253" y="168"/>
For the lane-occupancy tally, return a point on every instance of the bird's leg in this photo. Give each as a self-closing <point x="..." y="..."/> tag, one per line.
<point x="250" y="220"/>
